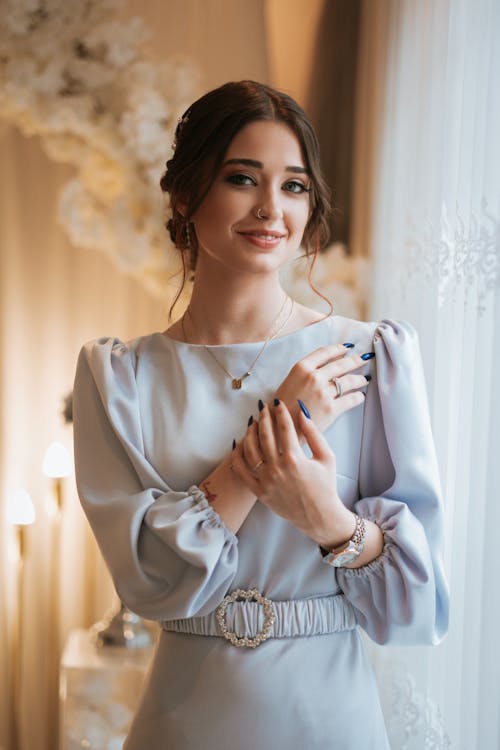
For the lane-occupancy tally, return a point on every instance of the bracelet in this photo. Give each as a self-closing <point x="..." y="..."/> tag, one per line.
<point x="358" y="538"/>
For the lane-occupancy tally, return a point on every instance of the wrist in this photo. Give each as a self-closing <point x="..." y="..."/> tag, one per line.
<point x="338" y="530"/>
<point x="352" y="551"/>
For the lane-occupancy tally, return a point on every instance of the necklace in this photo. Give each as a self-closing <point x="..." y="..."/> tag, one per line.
<point x="237" y="382"/>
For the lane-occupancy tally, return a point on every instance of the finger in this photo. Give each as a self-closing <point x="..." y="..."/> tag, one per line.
<point x="348" y="383"/>
<point x="318" y="444"/>
<point x="342" y="367"/>
<point x="268" y="438"/>
<point x="241" y="470"/>
<point x="286" y="429"/>
<point x="348" y="401"/>
<point x="250" y="448"/>
<point x="323" y="355"/>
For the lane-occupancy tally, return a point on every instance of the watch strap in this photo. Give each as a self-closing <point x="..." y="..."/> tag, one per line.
<point x="350" y="549"/>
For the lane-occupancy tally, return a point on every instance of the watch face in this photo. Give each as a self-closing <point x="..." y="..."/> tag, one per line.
<point x="344" y="558"/>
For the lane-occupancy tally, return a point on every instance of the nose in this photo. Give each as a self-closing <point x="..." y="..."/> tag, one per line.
<point x="269" y="205"/>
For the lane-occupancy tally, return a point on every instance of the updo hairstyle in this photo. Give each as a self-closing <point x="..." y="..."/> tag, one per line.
<point x="202" y="138"/>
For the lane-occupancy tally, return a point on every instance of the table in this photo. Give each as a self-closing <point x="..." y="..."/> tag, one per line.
<point x="99" y="689"/>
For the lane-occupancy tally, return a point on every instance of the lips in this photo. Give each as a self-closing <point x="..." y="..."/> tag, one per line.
<point x="267" y="234"/>
<point x="263" y="239"/>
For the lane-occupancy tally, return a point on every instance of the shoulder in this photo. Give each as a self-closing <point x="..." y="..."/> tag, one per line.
<point x="110" y="358"/>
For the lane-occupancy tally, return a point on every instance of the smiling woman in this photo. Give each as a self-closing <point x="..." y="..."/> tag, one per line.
<point x="260" y="479"/>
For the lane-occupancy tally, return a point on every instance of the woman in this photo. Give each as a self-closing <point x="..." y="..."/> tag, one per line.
<point x="261" y="479"/>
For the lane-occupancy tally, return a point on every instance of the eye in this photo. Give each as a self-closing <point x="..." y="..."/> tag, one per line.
<point x="240" y="179"/>
<point x="295" y="186"/>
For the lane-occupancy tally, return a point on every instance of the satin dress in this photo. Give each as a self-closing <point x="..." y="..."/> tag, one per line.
<point x="152" y="418"/>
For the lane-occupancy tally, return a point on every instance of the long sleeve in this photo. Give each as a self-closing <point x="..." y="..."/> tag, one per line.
<point x="169" y="553"/>
<point x="401" y="597"/>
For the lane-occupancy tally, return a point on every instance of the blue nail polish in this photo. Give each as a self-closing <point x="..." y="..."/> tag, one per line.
<point x="368" y="377"/>
<point x="250" y="421"/>
<point x="234" y="444"/>
<point x="348" y="345"/>
<point x="261" y="404"/>
<point x="304" y="408"/>
<point x="368" y="355"/>
<point x="276" y="402"/>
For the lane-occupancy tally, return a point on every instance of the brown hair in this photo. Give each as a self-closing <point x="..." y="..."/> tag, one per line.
<point x="202" y="138"/>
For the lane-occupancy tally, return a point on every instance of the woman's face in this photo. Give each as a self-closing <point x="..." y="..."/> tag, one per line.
<point x="263" y="170"/>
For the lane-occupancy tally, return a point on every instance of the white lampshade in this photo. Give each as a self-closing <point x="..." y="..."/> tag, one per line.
<point x="20" y="508"/>
<point x="57" y="461"/>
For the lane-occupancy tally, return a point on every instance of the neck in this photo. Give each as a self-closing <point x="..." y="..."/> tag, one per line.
<point x="234" y="310"/>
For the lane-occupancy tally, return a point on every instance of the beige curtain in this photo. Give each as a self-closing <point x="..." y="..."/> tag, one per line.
<point x="53" y="297"/>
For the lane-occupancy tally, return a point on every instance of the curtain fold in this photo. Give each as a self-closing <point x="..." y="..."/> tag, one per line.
<point x="436" y="250"/>
<point x="53" y="298"/>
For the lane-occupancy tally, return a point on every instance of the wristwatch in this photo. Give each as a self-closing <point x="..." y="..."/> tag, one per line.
<point x="350" y="551"/>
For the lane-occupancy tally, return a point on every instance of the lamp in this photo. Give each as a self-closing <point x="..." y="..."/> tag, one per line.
<point x="20" y="514"/>
<point x="57" y="465"/>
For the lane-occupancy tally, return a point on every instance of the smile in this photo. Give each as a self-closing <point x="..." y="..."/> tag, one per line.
<point x="263" y="239"/>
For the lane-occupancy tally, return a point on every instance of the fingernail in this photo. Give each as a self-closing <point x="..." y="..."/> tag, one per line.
<point x="250" y="421"/>
<point x="304" y="408"/>
<point x="234" y="444"/>
<point x="368" y="377"/>
<point x="276" y="402"/>
<point x="348" y="345"/>
<point x="261" y="404"/>
<point x="368" y="355"/>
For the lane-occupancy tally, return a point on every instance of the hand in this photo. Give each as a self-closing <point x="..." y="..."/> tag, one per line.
<point x="271" y="463"/>
<point x="310" y="380"/>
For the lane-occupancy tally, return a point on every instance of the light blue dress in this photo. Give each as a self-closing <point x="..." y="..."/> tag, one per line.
<point x="153" y="417"/>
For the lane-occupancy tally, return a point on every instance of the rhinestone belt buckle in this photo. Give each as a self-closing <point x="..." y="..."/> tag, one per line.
<point x="247" y="595"/>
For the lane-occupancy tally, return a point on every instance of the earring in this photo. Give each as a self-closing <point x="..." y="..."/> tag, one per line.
<point x="188" y="235"/>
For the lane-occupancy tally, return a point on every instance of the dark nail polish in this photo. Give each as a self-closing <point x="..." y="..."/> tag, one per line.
<point x="368" y="377"/>
<point x="234" y="444"/>
<point x="261" y="404"/>
<point x="276" y="402"/>
<point x="368" y="355"/>
<point x="250" y="421"/>
<point x="348" y="345"/>
<point x="304" y="409"/>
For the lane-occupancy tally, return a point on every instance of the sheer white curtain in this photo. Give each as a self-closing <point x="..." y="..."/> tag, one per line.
<point x="436" y="249"/>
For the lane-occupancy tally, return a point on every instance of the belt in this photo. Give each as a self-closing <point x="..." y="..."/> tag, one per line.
<point x="247" y="611"/>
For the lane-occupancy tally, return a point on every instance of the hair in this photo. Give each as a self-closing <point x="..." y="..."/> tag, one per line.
<point x="202" y="138"/>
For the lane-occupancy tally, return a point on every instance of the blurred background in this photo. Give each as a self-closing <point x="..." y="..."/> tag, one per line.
<point x="404" y="99"/>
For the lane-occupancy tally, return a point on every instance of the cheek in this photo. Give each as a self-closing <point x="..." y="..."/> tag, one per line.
<point x="301" y="217"/>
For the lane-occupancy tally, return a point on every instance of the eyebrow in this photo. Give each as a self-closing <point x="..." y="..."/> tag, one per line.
<point x="259" y="165"/>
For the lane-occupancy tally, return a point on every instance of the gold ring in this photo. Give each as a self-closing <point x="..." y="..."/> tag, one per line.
<point x="259" y="463"/>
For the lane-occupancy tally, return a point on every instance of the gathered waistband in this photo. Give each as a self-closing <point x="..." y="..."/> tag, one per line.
<point x="287" y="619"/>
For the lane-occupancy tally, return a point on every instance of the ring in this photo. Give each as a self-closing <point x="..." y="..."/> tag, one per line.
<point x="259" y="463"/>
<point x="338" y="385"/>
<point x="258" y="214"/>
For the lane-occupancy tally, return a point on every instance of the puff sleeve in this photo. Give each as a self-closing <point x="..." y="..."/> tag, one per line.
<point x="169" y="553"/>
<point x="401" y="597"/>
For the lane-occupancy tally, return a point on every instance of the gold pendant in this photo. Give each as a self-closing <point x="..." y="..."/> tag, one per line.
<point x="238" y="382"/>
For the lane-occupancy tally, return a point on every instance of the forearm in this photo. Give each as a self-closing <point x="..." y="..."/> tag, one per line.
<point x="228" y="496"/>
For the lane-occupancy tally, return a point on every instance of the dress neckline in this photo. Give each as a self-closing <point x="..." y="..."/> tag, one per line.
<point x="243" y="344"/>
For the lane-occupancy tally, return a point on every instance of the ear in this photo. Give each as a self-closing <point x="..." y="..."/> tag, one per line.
<point x="181" y="208"/>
